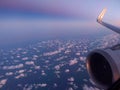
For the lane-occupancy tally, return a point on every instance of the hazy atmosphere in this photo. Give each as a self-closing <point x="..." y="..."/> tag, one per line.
<point x="28" y="20"/>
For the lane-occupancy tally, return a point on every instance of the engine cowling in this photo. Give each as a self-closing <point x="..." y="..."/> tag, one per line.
<point x="103" y="66"/>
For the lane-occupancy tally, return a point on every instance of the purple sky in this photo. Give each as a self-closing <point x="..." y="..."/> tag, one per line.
<point x="23" y="19"/>
<point x="83" y="11"/>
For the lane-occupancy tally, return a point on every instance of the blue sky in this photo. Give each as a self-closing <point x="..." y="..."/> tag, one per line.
<point x="21" y="20"/>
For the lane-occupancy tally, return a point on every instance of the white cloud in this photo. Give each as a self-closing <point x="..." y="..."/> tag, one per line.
<point x="71" y="79"/>
<point x="57" y="67"/>
<point x="40" y="85"/>
<point x="25" y="58"/>
<point x="13" y="67"/>
<point x="78" y="54"/>
<point x="72" y="62"/>
<point x="67" y="70"/>
<point x="60" y="58"/>
<point x="29" y="63"/>
<point x="35" y="56"/>
<point x="52" y="53"/>
<point x="18" y="56"/>
<point x="20" y="76"/>
<point x="30" y="71"/>
<point x="37" y="67"/>
<point x="9" y="73"/>
<point x="28" y="87"/>
<point x="70" y="46"/>
<point x="79" y="69"/>
<point x="43" y="73"/>
<point x="3" y="82"/>
<point x="55" y="85"/>
<point x="43" y="85"/>
<point x="24" y="52"/>
<point x="82" y="58"/>
<point x="85" y="80"/>
<point x="70" y="88"/>
<point x="19" y="49"/>
<point x="47" y="61"/>
<point x="67" y="51"/>
<point x="21" y="71"/>
<point x="85" y="87"/>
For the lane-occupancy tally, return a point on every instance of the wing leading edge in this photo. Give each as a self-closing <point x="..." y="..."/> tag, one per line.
<point x="99" y="20"/>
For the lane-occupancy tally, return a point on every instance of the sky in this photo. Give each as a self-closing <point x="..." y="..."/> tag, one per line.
<point x="23" y="20"/>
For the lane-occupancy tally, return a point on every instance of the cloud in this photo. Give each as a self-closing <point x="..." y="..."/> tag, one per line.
<point x="82" y="58"/>
<point x="78" y="54"/>
<point x="57" y="67"/>
<point x="70" y="88"/>
<point x="60" y="58"/>
<point x="55" y="85"/>
<point x="72" y="62"/>
<point x="29" y="63"/>
<point x="24" y="52"/>
<point x="2" y="82"/>
<point x="67" y="51"/>
<point x="28" y="87"/>
<point x="52" y="53"/>
<point x="71" y="79"/>
<point x="21" y="71"/>
<point x="37" y="67"/>
<point x="67" y="70"/>
<point x="13" y="67"/>
<point x="85" y="87"/>
<point x="43" y="85"/>
<point x="43" y="73"/>
<point x="20" y="76"/>
<point x="35" y="57"/>
<point x="25" y="58"/>
<point x="9" y="73"/>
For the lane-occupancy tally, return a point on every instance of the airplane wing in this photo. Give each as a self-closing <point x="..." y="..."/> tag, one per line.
<point x="112" y="27"/>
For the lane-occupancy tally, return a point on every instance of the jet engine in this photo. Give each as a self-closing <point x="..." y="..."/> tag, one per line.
<point x="104" y="66"/>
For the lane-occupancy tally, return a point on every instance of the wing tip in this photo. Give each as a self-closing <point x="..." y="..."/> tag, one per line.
<point x="100" y="17"/>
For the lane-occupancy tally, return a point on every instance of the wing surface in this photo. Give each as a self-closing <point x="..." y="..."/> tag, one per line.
<point x="100" y="20"/>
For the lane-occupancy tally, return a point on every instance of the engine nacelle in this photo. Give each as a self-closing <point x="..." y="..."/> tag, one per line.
<point x="104" y="66"/>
